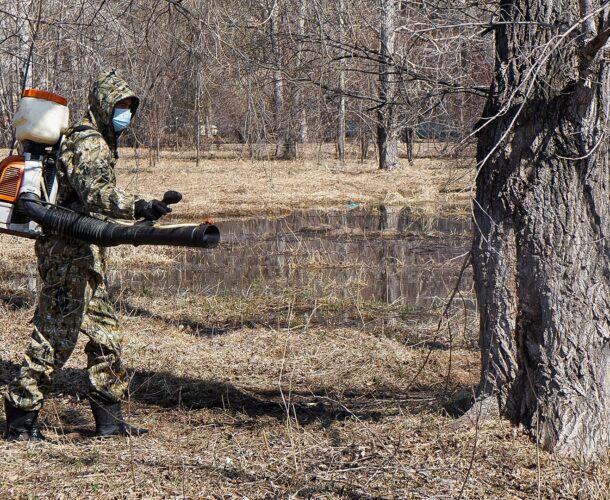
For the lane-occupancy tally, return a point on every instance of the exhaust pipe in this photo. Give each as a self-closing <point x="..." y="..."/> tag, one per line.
<point x="69" y="224"/>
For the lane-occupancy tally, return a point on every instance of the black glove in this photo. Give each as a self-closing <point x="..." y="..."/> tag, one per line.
<point x="150" y="210"/>
<point x="171" y="197"/>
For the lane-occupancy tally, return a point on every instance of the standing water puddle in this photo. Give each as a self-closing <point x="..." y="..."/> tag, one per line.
<point x="381" y="255"/>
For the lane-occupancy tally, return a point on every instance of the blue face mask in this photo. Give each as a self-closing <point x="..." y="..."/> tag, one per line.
<point x="121" y="118"/>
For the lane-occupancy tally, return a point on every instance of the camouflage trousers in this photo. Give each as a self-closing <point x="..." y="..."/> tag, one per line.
<point x="73" y="299"/>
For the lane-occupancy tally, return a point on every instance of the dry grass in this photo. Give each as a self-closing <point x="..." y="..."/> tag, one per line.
<point x="247" y="396"/>
<point x="430" y="185"/>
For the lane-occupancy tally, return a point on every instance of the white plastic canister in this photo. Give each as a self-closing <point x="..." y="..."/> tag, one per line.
<point x="41" y="116"/>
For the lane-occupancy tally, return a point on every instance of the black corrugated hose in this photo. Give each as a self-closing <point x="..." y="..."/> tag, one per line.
<point x="72" y="225"/>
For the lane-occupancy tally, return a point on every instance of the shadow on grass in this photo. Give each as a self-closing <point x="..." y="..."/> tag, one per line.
<point x="17" y="301"/>
<point x="324" y="406"/>
<point x="346" y="316"/>
<point x="278" y="320"/>
<point x="199" y="329"/>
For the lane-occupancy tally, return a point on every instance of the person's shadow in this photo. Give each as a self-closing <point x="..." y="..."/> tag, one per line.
<point x="166" y="390"/>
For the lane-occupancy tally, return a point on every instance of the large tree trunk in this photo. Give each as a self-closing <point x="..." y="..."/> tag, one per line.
<point x="541" y="253"/>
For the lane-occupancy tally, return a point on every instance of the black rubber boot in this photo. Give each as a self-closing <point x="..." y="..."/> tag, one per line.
<point x="21" y="425"/>
<point x="109" y="420"/>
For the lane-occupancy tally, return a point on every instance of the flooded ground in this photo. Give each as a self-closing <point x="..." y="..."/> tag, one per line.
<point x="382" y="255"/>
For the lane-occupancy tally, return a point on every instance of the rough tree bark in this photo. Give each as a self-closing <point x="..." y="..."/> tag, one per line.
<point x="387" y="116"/>
<point x="541" y="251"/>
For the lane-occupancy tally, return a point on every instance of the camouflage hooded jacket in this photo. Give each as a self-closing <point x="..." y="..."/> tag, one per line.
<point x="87" y="157"/>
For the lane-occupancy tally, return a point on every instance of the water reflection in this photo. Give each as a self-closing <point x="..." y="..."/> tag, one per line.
<point x="383" y="255"/>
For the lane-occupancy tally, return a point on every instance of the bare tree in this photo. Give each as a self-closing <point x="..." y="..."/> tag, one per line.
<point x="309" y="69"/>
<point x="542" y="211"/>
<point x="387" y="113"/>
<point x="341" y="84"/>
<point x="286" y="146"/>
<point x="301" y="114"/>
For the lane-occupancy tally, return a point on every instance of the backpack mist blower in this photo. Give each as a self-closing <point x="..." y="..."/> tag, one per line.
<point x="29" y="186"/>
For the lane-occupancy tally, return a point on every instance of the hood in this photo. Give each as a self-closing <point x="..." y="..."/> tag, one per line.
<point x="108" y="89"/>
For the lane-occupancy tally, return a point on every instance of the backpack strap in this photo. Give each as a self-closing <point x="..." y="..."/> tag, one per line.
<point x="84" y="128"/>
<point x="72" y="197"/>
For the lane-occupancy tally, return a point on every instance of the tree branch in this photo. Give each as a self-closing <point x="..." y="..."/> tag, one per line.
<point x="594" y="45"/>
<point x="587" y="19"/>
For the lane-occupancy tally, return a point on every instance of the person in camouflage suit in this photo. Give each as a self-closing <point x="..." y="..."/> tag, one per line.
<point x="74" y="297"/>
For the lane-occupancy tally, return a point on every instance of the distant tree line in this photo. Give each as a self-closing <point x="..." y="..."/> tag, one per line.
<point x="260" y="72"/>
